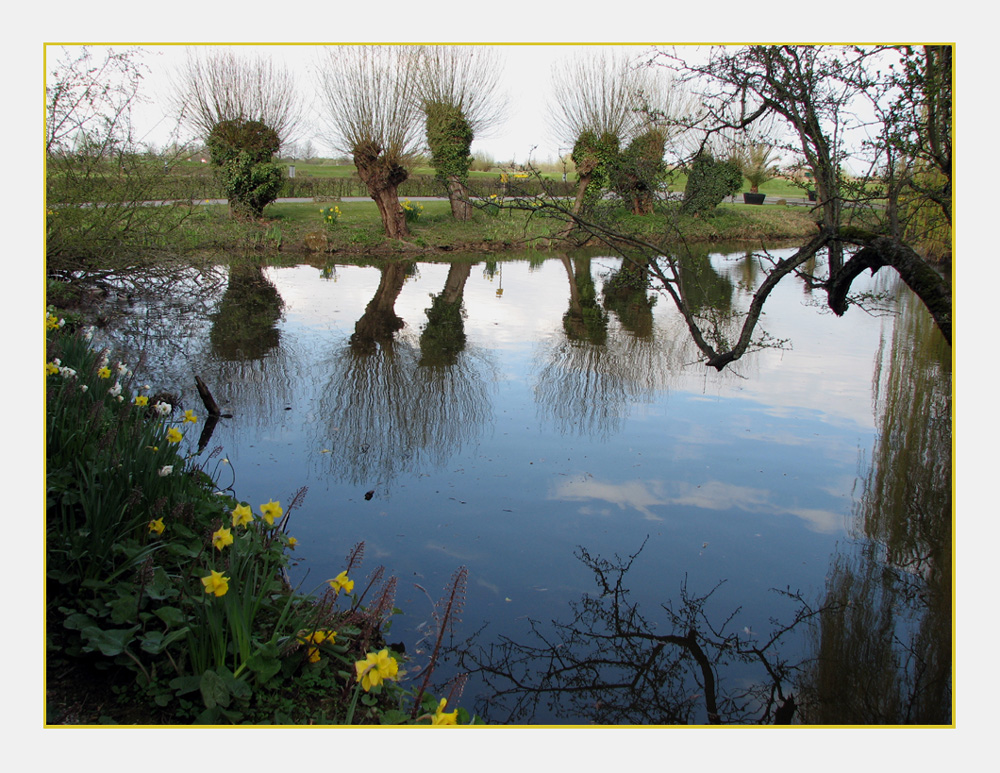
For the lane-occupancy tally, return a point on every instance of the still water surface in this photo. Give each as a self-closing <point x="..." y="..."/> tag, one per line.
<point x="502" y="416"/>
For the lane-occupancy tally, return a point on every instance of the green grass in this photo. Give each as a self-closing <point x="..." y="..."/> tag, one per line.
<point x="287" y="227"/>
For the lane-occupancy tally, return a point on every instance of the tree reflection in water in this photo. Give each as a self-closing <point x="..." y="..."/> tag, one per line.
<point x="613" y="665"/>
<point x="881" y="635"/>
<point x="390" y="406"/>
<point x="887" y="659"/>
<point x="586" y="383"/>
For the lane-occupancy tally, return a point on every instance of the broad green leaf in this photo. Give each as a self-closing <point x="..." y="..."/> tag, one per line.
<point x="123" y="610"/>
<point x="171" y="616"/>
<point x="161" y="586"/>
<point x="213" y="690"/>
<point x="182" y="685"/>
<point x="110" y="643"/>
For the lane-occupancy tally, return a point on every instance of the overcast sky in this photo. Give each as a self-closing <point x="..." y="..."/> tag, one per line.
<point x="526" y="81"/>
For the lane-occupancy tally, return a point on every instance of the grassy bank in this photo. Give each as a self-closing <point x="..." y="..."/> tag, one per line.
<point x="356" y="229"/>
<point x="167" y="600"/>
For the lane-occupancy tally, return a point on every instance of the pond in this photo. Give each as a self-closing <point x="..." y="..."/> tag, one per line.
<point x="791" y="514"/>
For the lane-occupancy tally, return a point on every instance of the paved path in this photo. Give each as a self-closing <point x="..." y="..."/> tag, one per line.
<point x="792" y="201"/>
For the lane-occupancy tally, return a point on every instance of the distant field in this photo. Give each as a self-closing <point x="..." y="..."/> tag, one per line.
<point x="193" y="180"/>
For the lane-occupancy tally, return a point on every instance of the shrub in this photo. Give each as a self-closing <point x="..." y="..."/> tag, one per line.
<point x="242" y="151"/>
<point x="709" y="182"/>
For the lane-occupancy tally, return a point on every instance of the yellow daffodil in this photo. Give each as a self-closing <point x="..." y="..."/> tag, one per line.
<point x="104" y="373"/>
<point x="375" y="669"/>
<point x="318" y="637"/>
<point x="222" y="538"/>
<point x="216" y="583"/>
<point x="51" y="323"/>
<point x="174" y="435"/>
<point x="342" y="583"/>
<point x="441" y="717"/>
<point x="157" y="526"/>
<point x="242" y="515"/>
<point x="141" y="400"/>
<point x="190" y="417"/>
<point x="50" y="368"/>
<point x="270" y="511"/>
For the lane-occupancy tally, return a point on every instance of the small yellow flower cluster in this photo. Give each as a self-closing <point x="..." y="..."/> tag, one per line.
<point x="411" y="211"/>
<point x="377" y="667"/>
<point x="331" y="215"/>
<point x="243" y="515"/>
<point x="52" y="322"/>
<point x="316" y="638"/>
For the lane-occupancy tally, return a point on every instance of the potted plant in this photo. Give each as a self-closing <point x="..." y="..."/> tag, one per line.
<point x="810" y="191"/>
<point x="757" y="162"/>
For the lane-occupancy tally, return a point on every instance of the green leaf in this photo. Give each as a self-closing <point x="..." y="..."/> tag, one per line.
<point x="161" y="586"/>
<point x="123" y="610"/>
<point x="214" y="691"/>
<point x="171" y="616"/>
<point x="240" y="689"/>
<point x="182" y="685"/>
<point x="155" y="642"/>
<point x="394" y="717"/>
<point x="78" y="621"/>
<point x="265" y="662"/>
<point x="110" y="643"/>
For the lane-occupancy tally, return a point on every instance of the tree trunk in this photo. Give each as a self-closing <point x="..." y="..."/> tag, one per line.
<point x="928" y="284"/>
<point x="383" y="177"/>
<point x="391" y="211"/>
<point x="581" y="191"/>
<point x="458" y="195"/>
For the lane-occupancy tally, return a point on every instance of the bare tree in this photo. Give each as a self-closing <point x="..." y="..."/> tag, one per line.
<point x="92" y="157"/>
<point x="604" y="101"/>
<point x="458" y="88"/>
<point x="369" y="95"/>
<point x="218" y="85"/>
<point x="245" y="109"/>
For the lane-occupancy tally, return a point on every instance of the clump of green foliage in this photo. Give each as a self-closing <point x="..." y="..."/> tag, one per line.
<point x="639" y="171"/>
<point x="177" y="592"/>
<point x="242" y="151"/>
<point x="449" y="137"/>
<point x="595" y="156"/>
<point x="709" y="182"/>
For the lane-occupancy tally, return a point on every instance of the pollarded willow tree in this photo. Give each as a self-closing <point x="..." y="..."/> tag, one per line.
<point x="244" y="108"/>
<point x="372" y="110"/>
<point x="458" y="88"/>
<point x="619" y="117"/>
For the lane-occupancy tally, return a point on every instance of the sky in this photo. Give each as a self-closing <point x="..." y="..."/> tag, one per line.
<point x="526" y="81"/>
